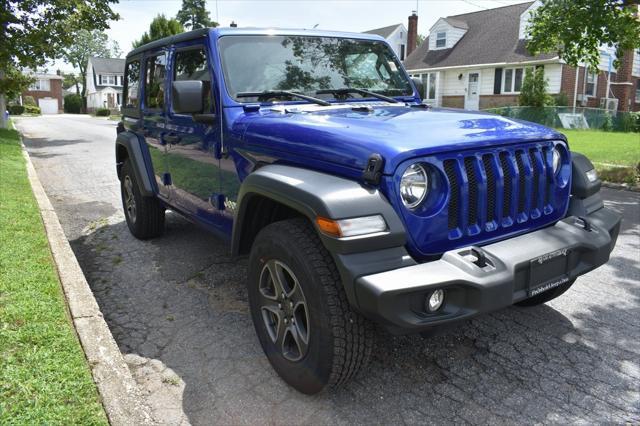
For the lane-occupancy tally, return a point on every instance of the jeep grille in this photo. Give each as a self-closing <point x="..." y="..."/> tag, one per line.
<point x="497" y="189"/>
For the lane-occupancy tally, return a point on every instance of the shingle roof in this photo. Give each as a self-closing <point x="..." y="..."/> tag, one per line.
<point x="384" y="31"/>
<point x="492" y="37"/>
<point x="108" y="65"/>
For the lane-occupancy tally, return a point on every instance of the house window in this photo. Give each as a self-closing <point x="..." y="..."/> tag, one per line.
<point x="40" y="85"/>
<point x="429" y="81"/>
<point x="131" y="88"/>
<point x="108" y="80"/>
<point x="441" y="39"/>
<point x="591" y="85"/>
<point x="402" y="52"/>
<point x="638" y="91"/>
<point x="513" y="80"/>
<point x="154" y="84"/>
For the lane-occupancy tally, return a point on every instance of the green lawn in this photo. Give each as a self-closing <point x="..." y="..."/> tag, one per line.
<point x="605" y="147"/>
<point x="44" y="375"/>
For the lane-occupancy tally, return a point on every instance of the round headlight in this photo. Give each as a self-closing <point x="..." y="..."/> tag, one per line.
<point x="557" y="156"/>
<point x="413" y="185"/>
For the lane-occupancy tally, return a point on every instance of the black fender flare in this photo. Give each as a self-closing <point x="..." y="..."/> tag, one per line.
<point x="585" y="195"/>
<point x="315" y="194"/>
<point x="134" y="145"/>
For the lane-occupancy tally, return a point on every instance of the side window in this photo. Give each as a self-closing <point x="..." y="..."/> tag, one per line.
<point x="191" y="64"/>
<point x="154" y="82"/>
<point x="132" y="85"/>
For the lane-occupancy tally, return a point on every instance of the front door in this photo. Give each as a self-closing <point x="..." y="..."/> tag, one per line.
<point x="472" y="97"/>
<point x="193" y="148"/>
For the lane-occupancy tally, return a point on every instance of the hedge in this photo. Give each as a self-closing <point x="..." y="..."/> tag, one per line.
<point x="15" y="109"/>
<point x="73" y="104"/>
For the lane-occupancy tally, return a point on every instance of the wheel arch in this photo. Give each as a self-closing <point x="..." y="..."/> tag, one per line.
<point x="130" y="147"/>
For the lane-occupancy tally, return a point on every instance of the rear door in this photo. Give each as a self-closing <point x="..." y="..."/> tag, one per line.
<point x="193" y="147"/>
<point x="154" y="116"/>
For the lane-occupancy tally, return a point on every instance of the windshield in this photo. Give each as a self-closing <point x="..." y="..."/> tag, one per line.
<point x="308" y="65"/>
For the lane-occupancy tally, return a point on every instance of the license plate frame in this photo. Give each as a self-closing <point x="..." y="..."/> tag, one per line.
<point x="547" y="272"/>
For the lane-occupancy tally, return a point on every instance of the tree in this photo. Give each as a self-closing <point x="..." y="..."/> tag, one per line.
<point x="193" y="15"/>
<point x="88" y="44"/>
<point x="160" y="27"/>
<point x="534" y="89"/>
<point x="576" y="29"/>
<point x="71" y="80"/>
<point x="420" y="39"/>
<point x="34" y="31"/>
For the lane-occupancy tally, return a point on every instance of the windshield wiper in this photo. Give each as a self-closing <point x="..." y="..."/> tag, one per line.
<point x="364" y="92"/>
<point x="282" y="93"/>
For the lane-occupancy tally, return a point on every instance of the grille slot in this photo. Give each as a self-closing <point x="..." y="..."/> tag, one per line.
<point x="521" y="181"/>
<point x="472" y="211"/>
<point x="506" y="171"/>
<point x="454" y="195"/>
<point x="536" y="177"/>
<point x="491" y="186"/>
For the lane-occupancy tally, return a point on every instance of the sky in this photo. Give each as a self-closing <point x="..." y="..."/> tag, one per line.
<point x="340" y="15"/>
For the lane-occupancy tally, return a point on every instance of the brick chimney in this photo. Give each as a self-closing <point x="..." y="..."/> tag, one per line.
<point x="412" y="36"/>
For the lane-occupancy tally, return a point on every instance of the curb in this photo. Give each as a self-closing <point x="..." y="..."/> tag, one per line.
<point x="118" y="390"/>
<point x="621" y="186"/>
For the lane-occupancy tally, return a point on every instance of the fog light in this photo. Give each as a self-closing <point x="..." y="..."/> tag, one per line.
<point x="434" y="300"/>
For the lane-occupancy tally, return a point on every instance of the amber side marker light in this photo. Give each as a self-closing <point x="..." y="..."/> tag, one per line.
<point x="352" y="227"/>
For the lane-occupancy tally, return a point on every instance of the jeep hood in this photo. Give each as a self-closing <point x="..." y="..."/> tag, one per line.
<point x="345" y="136"/>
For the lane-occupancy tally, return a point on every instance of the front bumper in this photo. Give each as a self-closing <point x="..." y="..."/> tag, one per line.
<point x="501" y="274"/>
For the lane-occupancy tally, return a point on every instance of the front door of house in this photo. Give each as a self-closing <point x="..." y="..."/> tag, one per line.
<point x="472" y="97"/>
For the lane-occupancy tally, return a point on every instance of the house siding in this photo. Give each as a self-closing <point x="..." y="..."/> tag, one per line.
<point x="55" y="91"/>
<point x="453" y="34"/>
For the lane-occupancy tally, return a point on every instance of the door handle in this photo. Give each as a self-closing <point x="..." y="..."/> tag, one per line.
<point x="172" y="139"/>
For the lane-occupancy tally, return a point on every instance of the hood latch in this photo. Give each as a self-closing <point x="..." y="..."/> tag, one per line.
<point x="373" y="171"/>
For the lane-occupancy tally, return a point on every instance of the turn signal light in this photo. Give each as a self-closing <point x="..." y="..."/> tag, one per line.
<point x="352" y="227"/>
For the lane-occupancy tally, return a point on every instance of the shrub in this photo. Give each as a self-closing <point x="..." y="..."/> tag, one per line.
<point x="621" y="175"/>
<point x="103" y="112"/>
<point x="15" y="109"/>
<point x="28" y="100"/>
<point x="607" y="123"/>
<point x="32" y="109"/>
<point x="561" y="99"/>
<point x="73" y="104"/>
<point x="534" y="89"/>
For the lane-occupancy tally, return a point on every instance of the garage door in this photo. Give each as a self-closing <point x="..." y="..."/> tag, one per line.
<point x="48" y="106"/>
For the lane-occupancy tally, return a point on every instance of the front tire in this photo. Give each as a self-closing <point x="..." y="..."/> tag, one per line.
<point x="546" y="296"/>
<point x="307" y="329"/>
<point x="144" y="215"/>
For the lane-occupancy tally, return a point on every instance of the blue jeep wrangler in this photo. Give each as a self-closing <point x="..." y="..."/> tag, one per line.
<point x="313" y="154"/>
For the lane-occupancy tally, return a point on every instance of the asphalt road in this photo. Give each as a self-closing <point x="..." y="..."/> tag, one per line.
<point x="177" y="307"/>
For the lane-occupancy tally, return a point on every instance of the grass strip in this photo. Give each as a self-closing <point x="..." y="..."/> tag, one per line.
<point x="44" y="375"/>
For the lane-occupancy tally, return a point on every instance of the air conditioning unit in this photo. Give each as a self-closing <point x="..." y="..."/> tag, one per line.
<point x="582" y="99"/>
<point x="610" y="104"/>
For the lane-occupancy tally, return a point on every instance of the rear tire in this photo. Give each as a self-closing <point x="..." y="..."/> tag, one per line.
<point x="546" y="296"/>
<point x="305" y="324"/>
<point x="144" y="215"/>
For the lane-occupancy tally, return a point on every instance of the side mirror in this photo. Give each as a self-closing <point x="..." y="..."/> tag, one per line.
<point x="419" y="86"/>
<point x="186" y="96"/>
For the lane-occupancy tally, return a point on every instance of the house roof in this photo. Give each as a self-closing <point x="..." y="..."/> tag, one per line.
<point x="457" y="23"/>
<point x="492" y="37"/>
<point x="384" y="31"/>
<point x="108" y="65"/>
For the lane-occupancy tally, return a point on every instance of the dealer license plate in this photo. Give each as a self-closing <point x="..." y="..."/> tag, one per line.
<point x="547" y="272"/>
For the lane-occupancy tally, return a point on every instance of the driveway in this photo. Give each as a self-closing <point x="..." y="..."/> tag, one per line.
<point x="177" y="306"/>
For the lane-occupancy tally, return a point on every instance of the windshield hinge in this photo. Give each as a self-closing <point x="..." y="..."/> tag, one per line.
<point x="373" y="171"/>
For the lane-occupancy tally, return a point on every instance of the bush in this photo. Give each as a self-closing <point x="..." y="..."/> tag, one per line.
<point x="28" y="100"/>
<point x="607" y="123"/>
<point x="103" y="112"/>
<point x="15" y="109"/>
<point x="561" y="99"/>
<point x="32" y="109"/>
<point x="534" y="89"/>
<point x="73" y="104"/>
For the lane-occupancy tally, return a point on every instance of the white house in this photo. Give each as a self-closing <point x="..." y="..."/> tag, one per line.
<point x="478" y="60"/>
<point x="396" y="36"/>
<point x="105" y="77"/>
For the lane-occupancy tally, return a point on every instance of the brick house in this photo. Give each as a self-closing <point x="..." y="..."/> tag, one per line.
<point x="46" y="90"/>
<point x="478" y="60"/>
